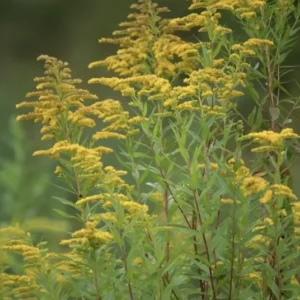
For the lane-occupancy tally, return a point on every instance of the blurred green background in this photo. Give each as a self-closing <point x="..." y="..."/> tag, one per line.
<point x="69" y="30"/>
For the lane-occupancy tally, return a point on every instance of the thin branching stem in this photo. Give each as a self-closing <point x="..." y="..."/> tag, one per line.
<point x="232" y="250"/>
<point x="205" y="243"/>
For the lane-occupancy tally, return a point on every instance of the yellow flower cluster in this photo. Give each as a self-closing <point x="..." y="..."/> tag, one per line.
<point x="244" y="9"/>
<point x="135" y="208"/>
<point x="108" y="217"/>
<point x="246" y="49"/>
<point x="57" y="94"/>
<point x="87" y="159"/>
<point x="72" y="263"/>
<point x="186" y="23"/>
<point x="113" y="177"/>
<point x="253" y="185"/>
<point x="209" y="18"/>
<point x="173" y="55"/>
<point x="19" y="287"/>
<point x="135" y="40"/>
<point x="110" y="111"/>
<point x="147" y="45"/>
<point x="270" y="140"/>
<point x="267" y="197"/>
<point x="89" y="236"/>
<point x="155" y="87"/>
<point x="30" y="254"/>
<point x="103" y="198"/>
<point x="138" y="261"/>
<point x="282" y="190"/>
<point x="230" y="201"/>
<point x="212" y="166"/>
<point x="254" y="42"/>
<point x="258" y="240"/>
<point x="8" y="232"/>
<point x="109" y="200"/>
<point x="215" y="81"/>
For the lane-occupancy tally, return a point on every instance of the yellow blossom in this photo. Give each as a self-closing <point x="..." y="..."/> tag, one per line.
<point x="230" y="201"/>
<point x="267" y="197"/>
<point x="55" y="98"/>
<point x="28" y="252"/>
<point x="282" y="213"/>
<point x="254" y="42"/>
<point x="108" y="135"/>
<point x="135" y="39"/>
<point x="258" y="228"/>
<point x="137" y="119"/>
<point x="89" y="236"/>
<point x="135" y="208"/>
<point x="283" y="190"/>
<point x="256" y="240"/>
<point x="254" y="275"/>
<point x="253" y="184"/>
<point x="271" y="140"/>
<point x="138" y="261"/>
<point x="269" y="221"/>
<point x="108" y="217"/>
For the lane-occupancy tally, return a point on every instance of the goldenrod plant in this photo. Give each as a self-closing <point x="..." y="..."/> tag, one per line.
<point x="192" y="215"/>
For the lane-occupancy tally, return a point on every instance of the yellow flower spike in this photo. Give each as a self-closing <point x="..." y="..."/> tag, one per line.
<point x="56" y="92"/>
<point x="136" y="120"/>
<point x="269" y="221"/>
<point x="12" y="231"/>
<point x="282" y="213"/>
<point x="108" y="217"/>
<point x="135" y="208"/>
<point x="296" y="207"/>
<point x="218" y="62"/>
<point x="258" y="228"/>
<point x="252" y="185"/>
<point x="186" y="23"/>
<point x="270" y="140"/>
<point x="254" y="42"/>
<point x="214" y="166"/>
<point x="19" y="286"/>
<point x="267" y="197"/>
<point x="138" y="261"/>
<point x="89" y="199"/>
<point x="108" y="135"/>
<point x="236" y="47"/>
<point x="135" y="39"/>
<point x="89" y="236"/>
<point x="283" y="190"/>
<point x="188" y="105"/>
<point x="29" y="253"/>
<point x="70" y="242"/>
<point x="167" y="48"/>
<point x="248" y="15"/>
<point x="254" y="275"/>
<point x="241" y="173"/>
<point x="256" y="240"/>
<point x="229" y="201"/>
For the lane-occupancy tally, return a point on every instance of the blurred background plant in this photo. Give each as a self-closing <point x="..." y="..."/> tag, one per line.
<point x="26" y="198"/>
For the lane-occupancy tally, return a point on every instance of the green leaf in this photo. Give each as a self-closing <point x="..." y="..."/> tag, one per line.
<point x="287" y="121"/>
<point x="251" y="117"/>
<point x="67" y="202"/>
<point x="64" y="214"/>
<point x="274" y="112"/>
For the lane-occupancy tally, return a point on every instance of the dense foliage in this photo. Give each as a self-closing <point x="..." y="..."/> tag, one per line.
<point x="189" y="217"/>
